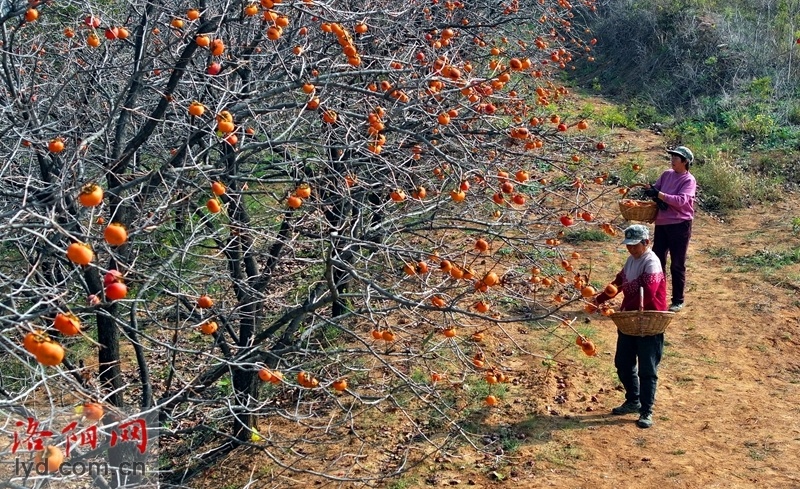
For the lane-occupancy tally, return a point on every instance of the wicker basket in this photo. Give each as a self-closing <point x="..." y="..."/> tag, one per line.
<point x="642" y="323"/>
<point x="644" y="210"/>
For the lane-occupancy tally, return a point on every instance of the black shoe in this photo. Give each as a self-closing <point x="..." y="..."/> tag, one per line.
<point x="628" y="407"/>
<point x="645" y="420"/>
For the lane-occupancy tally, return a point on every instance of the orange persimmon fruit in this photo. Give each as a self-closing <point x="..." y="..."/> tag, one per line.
<point x="51" y="458"/>
<point x="50" y="353"/>
<point x="80" y="253"/>
<point x="115" y="234"/>
<point x="67" y="324"/>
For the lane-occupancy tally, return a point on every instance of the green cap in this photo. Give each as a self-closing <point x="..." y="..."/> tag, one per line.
<point x="683" y="152"/>
<point x="635" y="234"/>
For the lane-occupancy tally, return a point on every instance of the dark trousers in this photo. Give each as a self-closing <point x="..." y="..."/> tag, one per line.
<point x="639" y="382"/>
<point x="674" y="239"/>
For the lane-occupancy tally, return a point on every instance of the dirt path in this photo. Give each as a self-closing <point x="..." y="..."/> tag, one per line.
<point x="727" y="410"/>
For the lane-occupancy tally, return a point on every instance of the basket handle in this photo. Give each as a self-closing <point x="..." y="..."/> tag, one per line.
<point x="641" y="298"/>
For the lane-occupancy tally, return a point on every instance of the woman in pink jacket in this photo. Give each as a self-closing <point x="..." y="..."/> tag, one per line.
<point x="674" y="191"/>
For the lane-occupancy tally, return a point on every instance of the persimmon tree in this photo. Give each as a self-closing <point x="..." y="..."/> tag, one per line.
<point x="272" y="224"/>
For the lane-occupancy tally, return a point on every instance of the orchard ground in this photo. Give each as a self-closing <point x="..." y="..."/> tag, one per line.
<point x="727" y="412"/>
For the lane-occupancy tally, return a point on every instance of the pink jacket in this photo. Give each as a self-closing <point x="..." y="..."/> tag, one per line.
<point x="679" y="191"/>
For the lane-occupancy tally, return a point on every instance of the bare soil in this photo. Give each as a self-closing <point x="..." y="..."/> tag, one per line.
<point x="727" y="412"/>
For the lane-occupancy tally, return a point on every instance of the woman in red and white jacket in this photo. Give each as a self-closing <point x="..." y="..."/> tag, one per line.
<point x="641" y="270"/>
<point x="674" y="191"/>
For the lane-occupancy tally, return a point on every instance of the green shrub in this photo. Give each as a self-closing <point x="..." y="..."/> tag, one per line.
<point x="793" y="116"/>
<point x="725" y="186"/>
<point x="796" y="226"/>
<point x="613" y="116"/>
<point x="758" y="127"/>
<point x="644" y="113"/>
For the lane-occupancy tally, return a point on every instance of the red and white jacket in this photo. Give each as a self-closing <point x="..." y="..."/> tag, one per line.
<point x="644" y="272"/>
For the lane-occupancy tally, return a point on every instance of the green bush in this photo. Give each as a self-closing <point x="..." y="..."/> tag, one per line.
<point x="793" y="116"/>
<point x="725" y="186"/>
<point x="614" y="116"/>
<point x="758" y="127"/>
<point x="644" y="113"/>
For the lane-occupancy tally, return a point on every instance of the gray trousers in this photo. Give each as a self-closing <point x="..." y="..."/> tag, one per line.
<point x="639" y="380"/>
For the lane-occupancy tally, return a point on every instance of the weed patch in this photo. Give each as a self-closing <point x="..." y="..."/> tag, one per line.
<point x="770" y="259"/>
